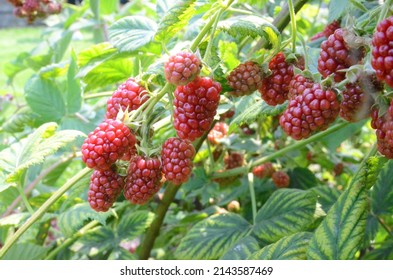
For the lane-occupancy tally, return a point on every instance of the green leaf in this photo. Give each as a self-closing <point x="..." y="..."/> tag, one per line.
<point x="20" y="120"/>
<point x="385" y="252"/>
<point x="45" y="98"/>
<point x="337" y="9"/>
<point x="334" y="140"/>
<point x="25" y="251"/>
<point x="286" y="212"/>
<point x="228" y="53"/>
<point x="95" y="53"/>
<point x="327" y="196"/>
<point x="341" y="233"/>
<point x="176" y="18"/>
<point x="74" y="92"/>
<point x="132" y="32"/>
<point x="134" y="224"/>
<point x="121" y="254"/>
<point x="253" y="26"/>
<point x="302" y="178"/>
<point x="98" y="240"/>
<point x="33" y="149"/>
<point x="71" y="220"/>
<point x="382" y="192"/>
<point x="242" y="249"/>
<point x="108" y="7"/>
<point x="14" y="219"/>
<point x="257" y="110"/>
<point x="212" y="237"/>
<point x="292" y="247"/>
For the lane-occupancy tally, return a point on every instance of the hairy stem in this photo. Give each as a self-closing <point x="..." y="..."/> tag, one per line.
<point x="42" y="210"/>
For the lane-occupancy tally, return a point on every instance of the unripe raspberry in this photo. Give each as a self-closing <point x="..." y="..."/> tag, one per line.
<point x="195" y="107"/>
<point x="128" y="96"/>
<point x="177" y="156"/>
<point x="310" y="112"/>
<point x="144" y="179"/>
<point x="264" y="170"/>
<point x="107" y="144"/>
<point x="280" y="179"/>
<point x="219" y="131"/>
<point x="182" y="68"/>
<point x="105" y="187"/>
<point x="245" y="78"/>
<point x="382" y="52"/>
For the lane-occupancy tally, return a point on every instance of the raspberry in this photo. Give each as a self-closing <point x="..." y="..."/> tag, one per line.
<point x="31" y="6"/>
<point x="384" y="131"/>
<point x="195" y="107"/>
<point x="331" y="28"/>
<point x="54" y="8"/>
<point x="312" y="111"/>
<point x="264" y="170"/>
<point x="227" y="115"/>
<point x="274" y="89"/>
<point x="317" y="36"/>
<point x="335" y="56"/>
<point x="105" y="187"/>
<point x="219" y="131"/>
<point x="245" y="78"/>
<point x="177" y="155"/>
<point x="106" y="144"/>
<point x="144" y="179"/>
<point x="233" y="160"/>
<point x="280" y="179"/>
<point x="182" y="68"/>
<point x="382" y="53"/>
<point x="338" y="169"/>
<point x="357" y="98"/>
<point x="298" y="84"/>
<point x="128" y="96"/>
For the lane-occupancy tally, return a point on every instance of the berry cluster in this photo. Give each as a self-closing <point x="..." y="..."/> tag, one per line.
<point x="33" y="9"/>
<point x="266" y="170"/>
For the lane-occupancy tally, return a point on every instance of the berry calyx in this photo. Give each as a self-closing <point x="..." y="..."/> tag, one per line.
<point x="182" y="68"/>
<point x="281" y="179"/>
<point x="107" y="144"/>
<point x="265" y="170"/>
<point x="245" y="78"/>
<point x="382" y="53"/>
<point x="219" y="131"/>
<point x="195" y="107"/>
<point x="177" y="156"/>
<point x="127" y="97"/>
<point x="105" y="187"/>
<point x="144" y="179"/>
<point x="312" y="111"/>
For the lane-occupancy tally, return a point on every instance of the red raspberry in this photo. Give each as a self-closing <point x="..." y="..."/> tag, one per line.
<point x="219" y="131"/>
<point x="54" y="8"/>
<point x="195" y="107"/>
<point x="233" y="160"/>
<point x="245" y="78"/>
<point x="144" y="179"/>
<point x="274" y="89"/>
<point x="105" y="187"/>
<point x="31" y="6"/>
<point x="384" y="131"/>
<point x="358" y="98"/>
<point x="280" y="179"/>
<point x="312" y="111"/>
<point x="106" y="144"/>
<point x="182" y="68"/>
<point x="128" y="96"/>
<point x="177" y="155"/>
<point x="382" y="53"/>
<point x="265" y="170"/>
<point x="331" y="28"/>
<point x="335" y="56"/>
<point x="298" y="84"/>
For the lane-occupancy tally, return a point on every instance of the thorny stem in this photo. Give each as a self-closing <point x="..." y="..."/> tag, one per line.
<point x="42" y="210"/>
<point x="293" y="24"/>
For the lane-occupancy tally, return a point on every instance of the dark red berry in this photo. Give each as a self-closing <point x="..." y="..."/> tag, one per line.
<point x="383" y="126"/>
<point x="331" y="28"/>
<point x="298" y="84"/>
<point x="233" y="160"/>
<point x="382" y="53"/>
<point x="227" y="115"/>
<point x="195" y="107"/>
<point x="336" y="56"/>
<point x="245" y="78"/>
<point x="106" y="144"/>
<point x="105" y="187"/>
<point x="182" y="68"/>
<point x="177" y="156"/>
<point x="219" y="131"/>
<point x="338" y="169"/>
<point x="310" y="112"/>
<point x="128" y="96"/>
<point x="144" y="179"/>
<point x="265" y="170"/>
<point x="274" y="89"/>
<point x="281" y="179"/>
